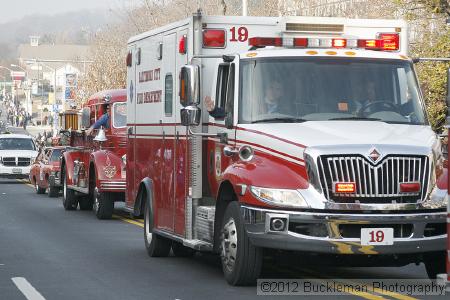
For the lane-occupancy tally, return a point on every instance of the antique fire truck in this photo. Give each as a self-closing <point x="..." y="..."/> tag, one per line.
<point x="92" y="168"/>
<point x="317" y="141"/>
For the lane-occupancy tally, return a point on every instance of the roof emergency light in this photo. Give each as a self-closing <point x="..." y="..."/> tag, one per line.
<point x="383" y="41"/>
<point x="213" y="38"/>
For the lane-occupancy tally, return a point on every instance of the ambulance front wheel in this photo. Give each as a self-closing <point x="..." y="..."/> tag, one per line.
<point x="241" y="261"/>
<point x="156" y="245"/>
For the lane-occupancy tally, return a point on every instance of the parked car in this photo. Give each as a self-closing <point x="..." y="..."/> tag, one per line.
<point x="44" y="173"/>
<point x="17" y="152"/>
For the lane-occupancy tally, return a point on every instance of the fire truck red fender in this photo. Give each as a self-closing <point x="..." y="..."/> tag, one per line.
<point x="263" y="171"/>
<point x="107" y="166"/>
<point x="67" y="165"/>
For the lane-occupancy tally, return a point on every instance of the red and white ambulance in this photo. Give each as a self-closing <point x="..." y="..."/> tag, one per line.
<point x="289" y="133"/>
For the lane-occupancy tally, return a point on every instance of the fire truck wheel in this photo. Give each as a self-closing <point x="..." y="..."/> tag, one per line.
<point x="156" y="245"/>
<point x="69" y="199"/>
<point x="39" y="190"/>
<point x="53" y="191"/>
<point x="86" y="203"/>
<point x="103" y="205"/>
<point x="435" y="264"/>
<point x="182" y="251"/>
<point x="241" y="261"/>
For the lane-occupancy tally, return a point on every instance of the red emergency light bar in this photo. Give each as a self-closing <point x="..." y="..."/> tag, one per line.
<point x="345" y="187"/>
<point x="384" y="41"/>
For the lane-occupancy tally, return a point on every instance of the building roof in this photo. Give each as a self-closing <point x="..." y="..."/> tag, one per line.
<point x="53" y="52"/>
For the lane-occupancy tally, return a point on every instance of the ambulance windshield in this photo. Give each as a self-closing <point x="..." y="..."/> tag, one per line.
<point x="323" y="89"/>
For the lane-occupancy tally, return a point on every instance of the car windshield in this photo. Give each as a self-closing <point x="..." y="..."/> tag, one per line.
<point x="16" y="144"/>
<point x="56" y="153"/>
<point x="322" y="89"/>
<point x="120" y="115"/>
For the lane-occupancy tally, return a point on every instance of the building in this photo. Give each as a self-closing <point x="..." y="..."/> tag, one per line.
<point x="52" y="70"/>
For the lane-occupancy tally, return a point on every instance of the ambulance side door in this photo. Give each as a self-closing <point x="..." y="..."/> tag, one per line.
<point x="131" y="130"/>
<point x="181" y="150"/>
<point x="166" y="210"/>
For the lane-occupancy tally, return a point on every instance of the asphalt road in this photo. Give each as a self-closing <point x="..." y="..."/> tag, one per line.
<point x="72" y="255"/>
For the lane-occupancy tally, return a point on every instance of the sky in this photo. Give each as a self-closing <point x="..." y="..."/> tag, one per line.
<point x="15" y="9"/>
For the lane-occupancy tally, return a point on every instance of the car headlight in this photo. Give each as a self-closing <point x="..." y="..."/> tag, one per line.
<point x="279" y="197"/>
<point x="124" y="159"/>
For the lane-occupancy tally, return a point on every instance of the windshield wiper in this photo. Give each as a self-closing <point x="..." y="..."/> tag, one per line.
<point x="281" y="120"/>
<point x="355" y="118"/>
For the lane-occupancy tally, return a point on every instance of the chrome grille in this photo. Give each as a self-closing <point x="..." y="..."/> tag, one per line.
<point x="23" y="161"/>
<point x="16" y="161"/>
<point x="378" y="183"/>
<point x="9" y="161"/>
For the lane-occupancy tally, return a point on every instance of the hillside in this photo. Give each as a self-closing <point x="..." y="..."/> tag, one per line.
<point x="70" y="28"/>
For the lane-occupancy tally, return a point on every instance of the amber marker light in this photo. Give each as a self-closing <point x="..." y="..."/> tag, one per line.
<point x="345" y="187"/>
<point x="312" y="52"/>
<point x="331" y="52"/>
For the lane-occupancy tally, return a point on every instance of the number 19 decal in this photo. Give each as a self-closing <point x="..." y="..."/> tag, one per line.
<point x="376" y="236"/>
<point x="239" y="34"/>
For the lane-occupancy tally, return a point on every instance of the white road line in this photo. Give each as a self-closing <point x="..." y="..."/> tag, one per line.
<point x="27" y="289"/>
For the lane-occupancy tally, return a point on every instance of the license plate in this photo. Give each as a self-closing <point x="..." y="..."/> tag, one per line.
<point x="377" y="236"/>
<point x="16" y="171"/>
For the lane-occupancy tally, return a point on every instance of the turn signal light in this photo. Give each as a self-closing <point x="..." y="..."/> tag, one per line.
<point x="345" y="187"/>
<point x="410" y="187"/>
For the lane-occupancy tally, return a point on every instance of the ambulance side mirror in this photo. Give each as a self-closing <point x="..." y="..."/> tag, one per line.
<point x="190" y="116"/>
<point x="85" y="118"/>
<point x="189" y="85"/>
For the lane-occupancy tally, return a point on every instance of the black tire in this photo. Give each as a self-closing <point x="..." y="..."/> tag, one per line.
<point x="103" y="205"/>
<point x="245" y="267"/>
<point x="86" y="203"/>
<point x="435" y="263"/>
<point x="156" y="245"/>
<point x="53" y="191"/>
<point x="38" y="189"/>
<point x="180" y="250"/>
<point x="70" y="201"/>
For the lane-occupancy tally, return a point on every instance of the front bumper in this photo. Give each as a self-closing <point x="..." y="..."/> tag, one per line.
<point x="12" y="172"/>
<point x="325" y="232"/>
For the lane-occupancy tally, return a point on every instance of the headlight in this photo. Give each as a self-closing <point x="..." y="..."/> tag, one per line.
<point x="124" y="159"/>
<point x="279" y="197"/>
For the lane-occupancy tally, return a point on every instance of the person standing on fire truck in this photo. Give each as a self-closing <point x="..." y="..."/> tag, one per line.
<point x="103" y="121"/>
